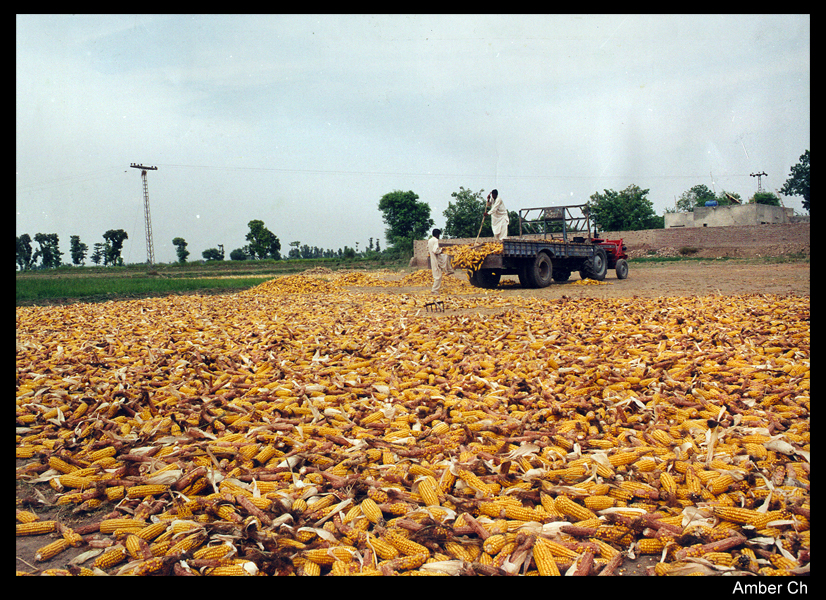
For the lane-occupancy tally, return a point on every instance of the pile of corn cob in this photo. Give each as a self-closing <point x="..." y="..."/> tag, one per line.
<point x="588" y="282"/>
<point x="339" y="433"/>
<point x="294" y="284"/>
<point x="469" y="256"/>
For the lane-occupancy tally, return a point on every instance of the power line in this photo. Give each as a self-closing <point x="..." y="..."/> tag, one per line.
<point x="430" y="174"/>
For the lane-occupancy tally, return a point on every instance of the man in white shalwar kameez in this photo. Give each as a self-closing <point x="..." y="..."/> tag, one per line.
<point x="498" y="215"/>
<point x="439" y="261"/>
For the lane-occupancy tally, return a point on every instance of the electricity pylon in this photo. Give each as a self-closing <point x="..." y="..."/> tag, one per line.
<point x="150" y="248"/>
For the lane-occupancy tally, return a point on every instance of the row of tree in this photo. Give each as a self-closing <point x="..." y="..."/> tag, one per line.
<point x="108" y="252"/>
<point x="408" y="219"/>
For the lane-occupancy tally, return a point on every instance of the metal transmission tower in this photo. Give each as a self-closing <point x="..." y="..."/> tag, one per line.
<point x="150" y="248"/>
<point x="759" y="182"/>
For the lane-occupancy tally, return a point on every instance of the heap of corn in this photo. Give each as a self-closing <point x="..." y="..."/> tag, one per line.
<point x="339" y="433"/>
<point x="293" y="284"/>
<point x="589" y="282"/>
<point x="469" y="256"/>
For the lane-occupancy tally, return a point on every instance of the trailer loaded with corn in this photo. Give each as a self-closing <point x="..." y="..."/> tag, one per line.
<point x="553" y="242"/>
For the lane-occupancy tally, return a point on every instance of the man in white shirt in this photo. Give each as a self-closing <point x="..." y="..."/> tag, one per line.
<point x="498" y="215"/>
<point x="439" y="262"/>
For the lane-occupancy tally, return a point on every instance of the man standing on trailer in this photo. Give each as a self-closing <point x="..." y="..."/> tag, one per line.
<point x="498" y="215"/>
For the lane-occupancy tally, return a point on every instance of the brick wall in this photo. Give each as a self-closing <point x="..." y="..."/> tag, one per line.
<point x="745" y="241"/>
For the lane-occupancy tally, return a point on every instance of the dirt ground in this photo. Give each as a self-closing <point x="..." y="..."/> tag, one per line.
<point x="725" y="277"/>
<point x="653" y="280"/>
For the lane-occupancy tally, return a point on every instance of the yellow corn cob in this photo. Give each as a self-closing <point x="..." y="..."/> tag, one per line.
<point x="106" y="452"/>
<point x="524" y="513"/>
<point x="570" y="508"/>
<point x="720" y="484"/>
<point x="382" y="548"/>
<point x="115" y="493"/>
<point x="111" y="525"/>
<point x="439" y="428"/>
<point x="599" y="502"/>
<point x="71" y="480"/>
<point x="606" y="550"/>
<point x="51" y="550"/>
<point x="299" y="505"/>
<point x="73" y="538"/>
<point x="161" y="547"/>
<point x="326" y="556"/>
<point x="110" y="558"/>
<point x="407" y="562"/>
<point x="190" y="542"/>
<point x="780" y="562"/>
<point x="36" y="527"/>
<point x="61" y="465"/>
<point x="378" y="496"/>
<point x="371" y="510"/>
<point x="148" y="566"/>
<point x="667" y="482"/>
<point x="245" y="569"/>
<point x="622" y="458"/>
<point x="216" y="551"/>
<point x="427" y="490"/>
<point x="142" y="491"/>
<point x="544" y="559"/>
<point x="743" y="516"/>
<point x="493" y="544"/>
<point x="135" y="546"/>
<point x="474" y="482"/>
<point x="459" y="551"/>
<point x="25" y="516"/>
<point x="692" y="482"/>
<point x="650" y="546"/>
<point x="404" y="545"/>
<point x="150" y="532"/>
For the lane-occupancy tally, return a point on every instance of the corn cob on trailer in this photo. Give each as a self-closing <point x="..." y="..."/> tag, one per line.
<point x="553" y="242"/>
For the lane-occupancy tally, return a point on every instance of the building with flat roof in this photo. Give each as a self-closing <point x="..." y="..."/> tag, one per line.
<point x="734" y="214"/>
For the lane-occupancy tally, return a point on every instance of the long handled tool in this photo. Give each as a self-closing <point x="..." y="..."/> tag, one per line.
<point x="482" y="224"/>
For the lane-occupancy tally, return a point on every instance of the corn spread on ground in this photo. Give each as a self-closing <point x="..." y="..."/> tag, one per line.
<point x="340" y="433"/>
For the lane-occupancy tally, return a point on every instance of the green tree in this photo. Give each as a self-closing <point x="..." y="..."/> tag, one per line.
<point x="24" y="252"/>
<point x="77" y="250"/>
<point x="263" y="243"/>
<point x="798" y="182"/>
<point x="696" y="196"/>
<point x="48" y="253"/>
<point x="99" y="252"/>
<point x="115" y="239"/>
<point x="238" y="254"/>
<point x="463" y="217"/>
<point x="406" y="218"/>
<point x="180" y="248"/>
<point x="766" y="198"/>
<point x="294" y="250"/>
<point x="213" y="254"/>
<point x="627" y="210"/>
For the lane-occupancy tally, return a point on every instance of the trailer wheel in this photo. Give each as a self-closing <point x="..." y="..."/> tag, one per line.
<point x="541" y="272"/>
<point x="622" y="269"/>
<point x="524" y="277"/>
<point x="485" y="278"/>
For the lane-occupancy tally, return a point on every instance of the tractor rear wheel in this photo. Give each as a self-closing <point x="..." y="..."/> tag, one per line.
<point x="596" y="267"/>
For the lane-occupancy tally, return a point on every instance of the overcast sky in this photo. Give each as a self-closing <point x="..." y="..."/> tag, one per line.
<point x="306" y="121"/>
